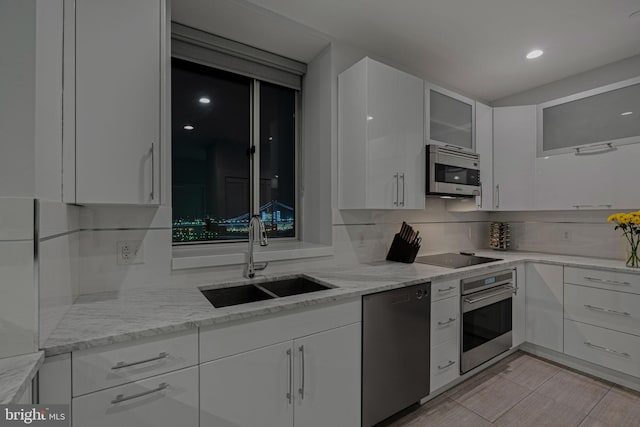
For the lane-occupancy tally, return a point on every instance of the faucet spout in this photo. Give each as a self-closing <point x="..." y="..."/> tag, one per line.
<point x="256" y="230"/>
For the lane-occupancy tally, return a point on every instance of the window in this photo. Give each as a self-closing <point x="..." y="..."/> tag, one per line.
<point x="233" y="154"/>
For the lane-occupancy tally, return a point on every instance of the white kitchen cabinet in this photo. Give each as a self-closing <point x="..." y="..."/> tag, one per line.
<point x="624" y="190"/>
<point x="445" y="320"/>
<point x="307" y="382"/>
<point x="519" y="313"/>
<point x="117" y="139"/>
<point x="544" y="305"/>
<point x="449" y="118"/>
<point x="445" y="333"/>
<point x="381" y="157"/>
<point x="162" y="401"/>
<point x="484" y="148"/>
<point x="514" y="153"/>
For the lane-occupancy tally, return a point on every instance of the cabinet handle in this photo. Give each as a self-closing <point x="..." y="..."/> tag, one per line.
<point x="122" y="398"/>
<point x="451" y="362"/>
<point x="607" y="310"/>
<point x="121" y="365"/>
<point x="447" y="322"/>
<point x="607" y="282"/>
<point x="153" y="171"/>
<point x="583" y="206"/>
<point x="290" y="392"/>
<point x="402" y="176"/>
<point x="595" y="149"/>
<point x="497" y="195"/>
<point x="396" y="176"/>
<point x="608" y="350"/>
<point x="301" y="389"/>
<point x="450" y="288"/>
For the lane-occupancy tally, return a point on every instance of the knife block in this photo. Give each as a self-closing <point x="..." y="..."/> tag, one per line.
<point x="402" y="251"/>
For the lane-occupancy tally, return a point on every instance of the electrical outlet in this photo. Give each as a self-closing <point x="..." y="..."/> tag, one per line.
<point x="129" y="252"/>
<point x="566" y="236"/>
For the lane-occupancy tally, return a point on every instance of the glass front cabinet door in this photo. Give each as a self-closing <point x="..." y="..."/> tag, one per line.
<point x="449" y="118"/>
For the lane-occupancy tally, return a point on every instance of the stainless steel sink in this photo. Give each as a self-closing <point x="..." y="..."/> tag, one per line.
<point x="224" y="297"/>
<point x="295" y="286"/>
<point x="243" y="294"/>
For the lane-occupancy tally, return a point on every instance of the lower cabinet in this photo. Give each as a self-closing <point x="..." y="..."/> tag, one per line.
<point x="307" y="382"/>
<point x="166" y="400"/>
<point x="519" y="314"/>
<point x="445" y="336"/>
<point x="544" y="305"/>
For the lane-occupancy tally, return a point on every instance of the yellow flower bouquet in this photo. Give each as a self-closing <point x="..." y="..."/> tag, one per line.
<point x="629" y="223"/>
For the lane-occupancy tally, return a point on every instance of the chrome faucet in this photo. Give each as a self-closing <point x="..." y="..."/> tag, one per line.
<point x="252" y="266"/>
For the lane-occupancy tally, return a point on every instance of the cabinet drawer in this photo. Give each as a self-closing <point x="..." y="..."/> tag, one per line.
<point x="445" y="289"/>
<point x="165" y="400"/>
<point x="625" y="282"/>
<point x="609" y="309"/>
<point x="611" y="349"/>
<point x="444" y="364"/>
<point x="102" y="368"/>
<point x="227" y="340"/>
<point x="445" y="320"/>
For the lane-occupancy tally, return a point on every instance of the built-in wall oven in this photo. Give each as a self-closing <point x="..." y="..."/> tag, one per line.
<point x="486" y="306"/>
<point x="452" y="171"/>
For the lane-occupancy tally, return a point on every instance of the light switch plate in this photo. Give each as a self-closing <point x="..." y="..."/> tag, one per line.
<point x="129" y="252"/>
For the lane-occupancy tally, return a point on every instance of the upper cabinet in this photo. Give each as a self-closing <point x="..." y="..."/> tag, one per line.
<point x="514" y="146"/>
<point x="381" y="157"/>
<point x="116" y="76"/>
<point x="484" y="148"/>
<point x="591" y="122"/>
<point x="450" y="118"/>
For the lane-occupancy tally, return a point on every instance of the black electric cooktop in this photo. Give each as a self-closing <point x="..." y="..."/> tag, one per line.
<point x="452" y="260"/>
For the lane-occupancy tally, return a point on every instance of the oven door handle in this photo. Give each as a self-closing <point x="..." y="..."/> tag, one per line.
<point x="504" y="290"/>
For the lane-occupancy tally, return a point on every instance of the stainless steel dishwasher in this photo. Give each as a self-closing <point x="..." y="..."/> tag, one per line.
<point x="395" y="350"/>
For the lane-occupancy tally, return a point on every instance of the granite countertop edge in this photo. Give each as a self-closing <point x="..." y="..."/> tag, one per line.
<point x="16" y="373"/>
<point x="349" y="283"/>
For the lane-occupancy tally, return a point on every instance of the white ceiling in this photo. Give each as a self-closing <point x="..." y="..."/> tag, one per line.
<point x="475" y="46"/>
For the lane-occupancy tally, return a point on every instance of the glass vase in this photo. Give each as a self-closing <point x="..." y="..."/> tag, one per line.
<point x="632" y="256"/>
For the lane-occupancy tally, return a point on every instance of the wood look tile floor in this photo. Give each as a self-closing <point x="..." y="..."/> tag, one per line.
<point x="524" y="391"/>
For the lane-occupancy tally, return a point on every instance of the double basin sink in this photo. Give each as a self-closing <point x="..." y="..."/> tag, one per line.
<point x="235" y="295"/>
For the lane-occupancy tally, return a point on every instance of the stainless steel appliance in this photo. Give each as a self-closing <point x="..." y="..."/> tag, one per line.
<point x="395" y="350"/>
<point x="452" y="172"/>
<point x="452" y="260"/>
<point x="486" y="308"/>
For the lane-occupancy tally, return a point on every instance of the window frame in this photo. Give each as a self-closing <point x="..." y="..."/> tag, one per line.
<point x="254" y="177"/>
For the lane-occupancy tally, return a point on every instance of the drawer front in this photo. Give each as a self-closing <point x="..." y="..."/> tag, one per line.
<point x="163" y="401"/>
<point x="624" y="282"/>
<point x="227" y="340"/>
<point x="613" y="310"/>
<point x="611" y="349"/>
<point x="98" y="369"/>
<point x="445" y="366"/>
<point x="441" y="289"/>
<point x="445" y="320"/>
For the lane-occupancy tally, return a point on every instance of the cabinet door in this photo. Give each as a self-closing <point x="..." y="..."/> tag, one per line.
<point x="544" y="305"/>
<point x="385" y="145"/>
<point x="117" y="101"/>
<point x="624" y="189"/>
<point x="411" y="123"/>
<point x="327" y="378"/>
<point x="514" y="153"/>
<point x="484" y="148"/>
<point x="162" y="401"/>
<point x="252" y="389"/>
<point x="449" y="118"/>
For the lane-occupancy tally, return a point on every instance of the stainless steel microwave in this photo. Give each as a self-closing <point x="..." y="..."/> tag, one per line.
<point x="452" y="172"/>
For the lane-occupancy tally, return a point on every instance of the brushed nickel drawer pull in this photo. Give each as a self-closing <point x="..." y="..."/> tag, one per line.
<point x="451" y="362"/>
<point x="289" y="394"/>
<point x="607" y="282"/>
<point x="301" y="389"/>
<point x="450" y="288"/>
<point x="608" y="350"/>
<point x="122" y="398"/>
<point x="607" y="310"/>
<point x="448" y="322"/>
<point x="121" y="365"/>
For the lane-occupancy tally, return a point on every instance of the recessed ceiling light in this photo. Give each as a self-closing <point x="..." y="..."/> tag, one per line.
<point x="204" y="100"/>
<point x="626" y="113"/>
<point x="536" y="53"/>
<point x="369" y="118"/>
<point x="188" y="127"/>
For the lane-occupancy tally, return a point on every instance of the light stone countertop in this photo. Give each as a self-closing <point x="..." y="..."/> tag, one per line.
<point x="15" y="375"/>
<point x="114" y="317"/>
